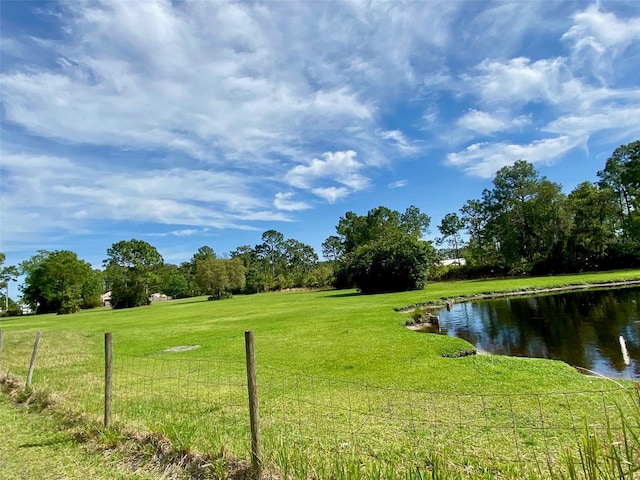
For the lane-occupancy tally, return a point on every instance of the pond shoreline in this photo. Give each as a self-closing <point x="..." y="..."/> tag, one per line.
<point x="443" y="302"/>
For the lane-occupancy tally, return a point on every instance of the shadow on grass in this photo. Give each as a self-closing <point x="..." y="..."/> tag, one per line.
<point x="345" y="295"/>
<point x="46" y="443"/>
<point x="186" y="301"/>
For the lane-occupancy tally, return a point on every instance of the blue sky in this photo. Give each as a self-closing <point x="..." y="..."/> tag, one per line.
<point x="206" y="123"/>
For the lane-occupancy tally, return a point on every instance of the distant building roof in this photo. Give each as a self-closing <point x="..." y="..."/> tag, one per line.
<point x="453" y="261"/>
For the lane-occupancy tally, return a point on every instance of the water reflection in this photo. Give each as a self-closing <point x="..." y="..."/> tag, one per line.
<point x="580" y="328"/>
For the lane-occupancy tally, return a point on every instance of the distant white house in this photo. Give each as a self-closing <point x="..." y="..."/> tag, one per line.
<point x="453" y="261"/>
<point x="105" y="299"/>
<point x="158" y="297"/>
<point x="25" y="309"/>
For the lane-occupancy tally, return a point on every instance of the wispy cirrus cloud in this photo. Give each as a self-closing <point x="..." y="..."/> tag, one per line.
<point x="284" y="201"/>
<point x="46" y="192"/>
<point x="398" y="184"/>
<point x="561" y="95"/>
<point x="484" y="159"/>
<point x="600" y="30"/>
<point x="226" y="114"/>
<point x="486" y="123"/>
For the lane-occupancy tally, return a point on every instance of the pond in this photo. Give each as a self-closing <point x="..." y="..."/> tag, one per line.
<point x="581" y="328"/>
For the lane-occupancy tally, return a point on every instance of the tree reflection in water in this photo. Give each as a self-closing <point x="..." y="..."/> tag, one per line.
<point x="581" y="328"/>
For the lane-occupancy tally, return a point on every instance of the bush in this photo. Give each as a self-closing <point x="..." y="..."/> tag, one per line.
<point x="469" y="272"/>
<point x="390" y="267"/>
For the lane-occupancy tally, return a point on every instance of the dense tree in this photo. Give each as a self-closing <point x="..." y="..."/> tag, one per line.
<point x="594" y="217"/>
<point x="622" y="175"/>
<point x="235" y="274"/>
<point x="219" y="277"/>
<point x="8" y="273"/>
<point x="279" y="263"/>
<point x="380" y="222"/>
<point x="525" y="223"/>
<point x="332" y="248"/>
<point x="132" y="270"/>
<point x="60" y="282"/>
<point x="414" y="223"/>
<point x="475" y="217"/>
<point x="393" y="265"/>
<point x="211" y="277"/>
<point x="272" y="251"/>
<point x="526" y="216"/>
<point x="300" y="262"/>
<point x="188" y="271"/>
<point x="450" y="227"/>
<point x="257" y="279"/>
<point x="173" y="282"/>
<point x="93" y="289"/>
<point x="383" y="251"/>
<point x="203" y="253"/>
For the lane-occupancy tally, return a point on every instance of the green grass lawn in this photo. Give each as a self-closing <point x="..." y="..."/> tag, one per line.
<point x="33" y="447"/>
<point x="339" y="378"/>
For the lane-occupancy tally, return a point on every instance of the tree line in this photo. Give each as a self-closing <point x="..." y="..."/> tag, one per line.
<point x="60" y="282"/>
<point x="524" y="224"/>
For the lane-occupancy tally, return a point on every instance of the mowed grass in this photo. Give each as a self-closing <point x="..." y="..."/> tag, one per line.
<point x="343" y="386"/>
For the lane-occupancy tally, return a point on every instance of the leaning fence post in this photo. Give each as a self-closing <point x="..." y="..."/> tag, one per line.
<point x="32" y="364"/>
<point x="108" y="376"/>
<point x="254" y="414"/>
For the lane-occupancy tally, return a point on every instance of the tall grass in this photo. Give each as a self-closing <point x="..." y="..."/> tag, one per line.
<point x="616" y="456"/>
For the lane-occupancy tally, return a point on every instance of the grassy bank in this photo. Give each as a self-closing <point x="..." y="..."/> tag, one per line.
<point x="33" y="446"/>
<point x="342" y="385"/>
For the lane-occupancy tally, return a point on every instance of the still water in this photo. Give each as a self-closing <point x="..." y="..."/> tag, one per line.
<point x="581" y="328"/>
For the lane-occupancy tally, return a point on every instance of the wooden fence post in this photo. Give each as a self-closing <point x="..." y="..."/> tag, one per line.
<point x="32" y="364"/>
<point x="254" y="414"/>
<point x="108" y="376"/>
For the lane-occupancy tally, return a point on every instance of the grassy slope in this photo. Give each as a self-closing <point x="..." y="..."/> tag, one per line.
<point x="31" y="446"/>
<point x="334" y="334"/>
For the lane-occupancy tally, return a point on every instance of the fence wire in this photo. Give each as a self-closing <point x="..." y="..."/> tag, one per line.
<point x="314" y="420"/>
<point x="198" y="403"/>
<point x="315" y="427"/>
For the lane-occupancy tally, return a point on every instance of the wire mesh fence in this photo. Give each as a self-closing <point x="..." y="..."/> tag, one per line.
<point x="323" y="423"/>
<point x="315" y="427"/>
<point x="198" y="403"/>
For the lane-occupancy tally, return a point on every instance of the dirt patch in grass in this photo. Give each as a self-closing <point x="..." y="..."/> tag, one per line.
<point x="181" y="348"/>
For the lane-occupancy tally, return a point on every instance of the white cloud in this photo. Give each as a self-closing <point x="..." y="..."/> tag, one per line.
<point x="153" y="75"/>
<point x="624" y="118"/>
<point x="481" y="122"/>
<point x="214" y="113"/>
<point x="331" y="194"/>
<point x="400" y="141"/>
<point x="185" y="232"/>
<point x="335" y="167"/>
<point x="600" y="30"/>
<point x="398" y="184"/>
<point x="46" y="192"/>
<point x="556" y="95"/>
<point x="519" y="81"/>
<point x="485" y="159"/>
<point x="598" y="40"/>
<point x="283" y="201"/>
